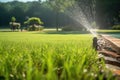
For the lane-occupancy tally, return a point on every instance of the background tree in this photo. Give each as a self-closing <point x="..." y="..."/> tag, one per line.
<point x="13" y="19"/>
<point x="52" y="12"/>
<point x="59" y="6"/>
<point x="13" y="24"/>
<point x="107" y="13"/>
<point x="34" y="23"/>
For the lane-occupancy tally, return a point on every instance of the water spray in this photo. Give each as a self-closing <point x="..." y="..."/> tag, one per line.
<point x="82" y="16"/>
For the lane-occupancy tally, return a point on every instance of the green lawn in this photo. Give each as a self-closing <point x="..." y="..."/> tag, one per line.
<point x="108" y="31"/>
<point x="45" y="56"/>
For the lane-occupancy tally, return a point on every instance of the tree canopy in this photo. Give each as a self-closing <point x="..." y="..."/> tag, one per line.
<point x="33" y="20"/>
<point x="106" y="12"/>
<point x="13" y="19"/>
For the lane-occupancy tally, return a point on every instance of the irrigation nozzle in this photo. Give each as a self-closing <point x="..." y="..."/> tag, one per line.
<point x="95" y="44"/>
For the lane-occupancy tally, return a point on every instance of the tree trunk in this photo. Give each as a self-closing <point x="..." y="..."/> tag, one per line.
<point x="57" y="21"/>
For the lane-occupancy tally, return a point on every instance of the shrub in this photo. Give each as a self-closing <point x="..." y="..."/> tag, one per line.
<point x="116" y="27"/>
<point x="72" y="28"/>
<point x="35" y="28"/>
<point x="34" y="24"/>
<point x="66" y="28"/>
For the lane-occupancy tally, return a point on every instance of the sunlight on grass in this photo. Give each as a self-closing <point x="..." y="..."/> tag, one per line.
<point x="31" y="56"/>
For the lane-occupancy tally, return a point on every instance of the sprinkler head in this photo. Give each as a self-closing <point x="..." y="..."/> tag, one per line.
<point x="95" y="38"/>
<point x="95" y="44"/>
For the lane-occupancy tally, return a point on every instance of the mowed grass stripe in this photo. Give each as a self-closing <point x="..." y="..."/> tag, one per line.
<point x="33" y="36"/>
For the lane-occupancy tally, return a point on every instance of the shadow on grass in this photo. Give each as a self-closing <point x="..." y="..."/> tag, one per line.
<point x="108" y="32"/>
<point x="64" y="32"/>
<point x="6" y="31"/>
<point x="10" y="31"/>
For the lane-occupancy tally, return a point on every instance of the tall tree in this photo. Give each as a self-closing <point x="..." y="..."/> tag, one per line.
<point x="59" y="6"/>
<point x="107" y="12"/>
